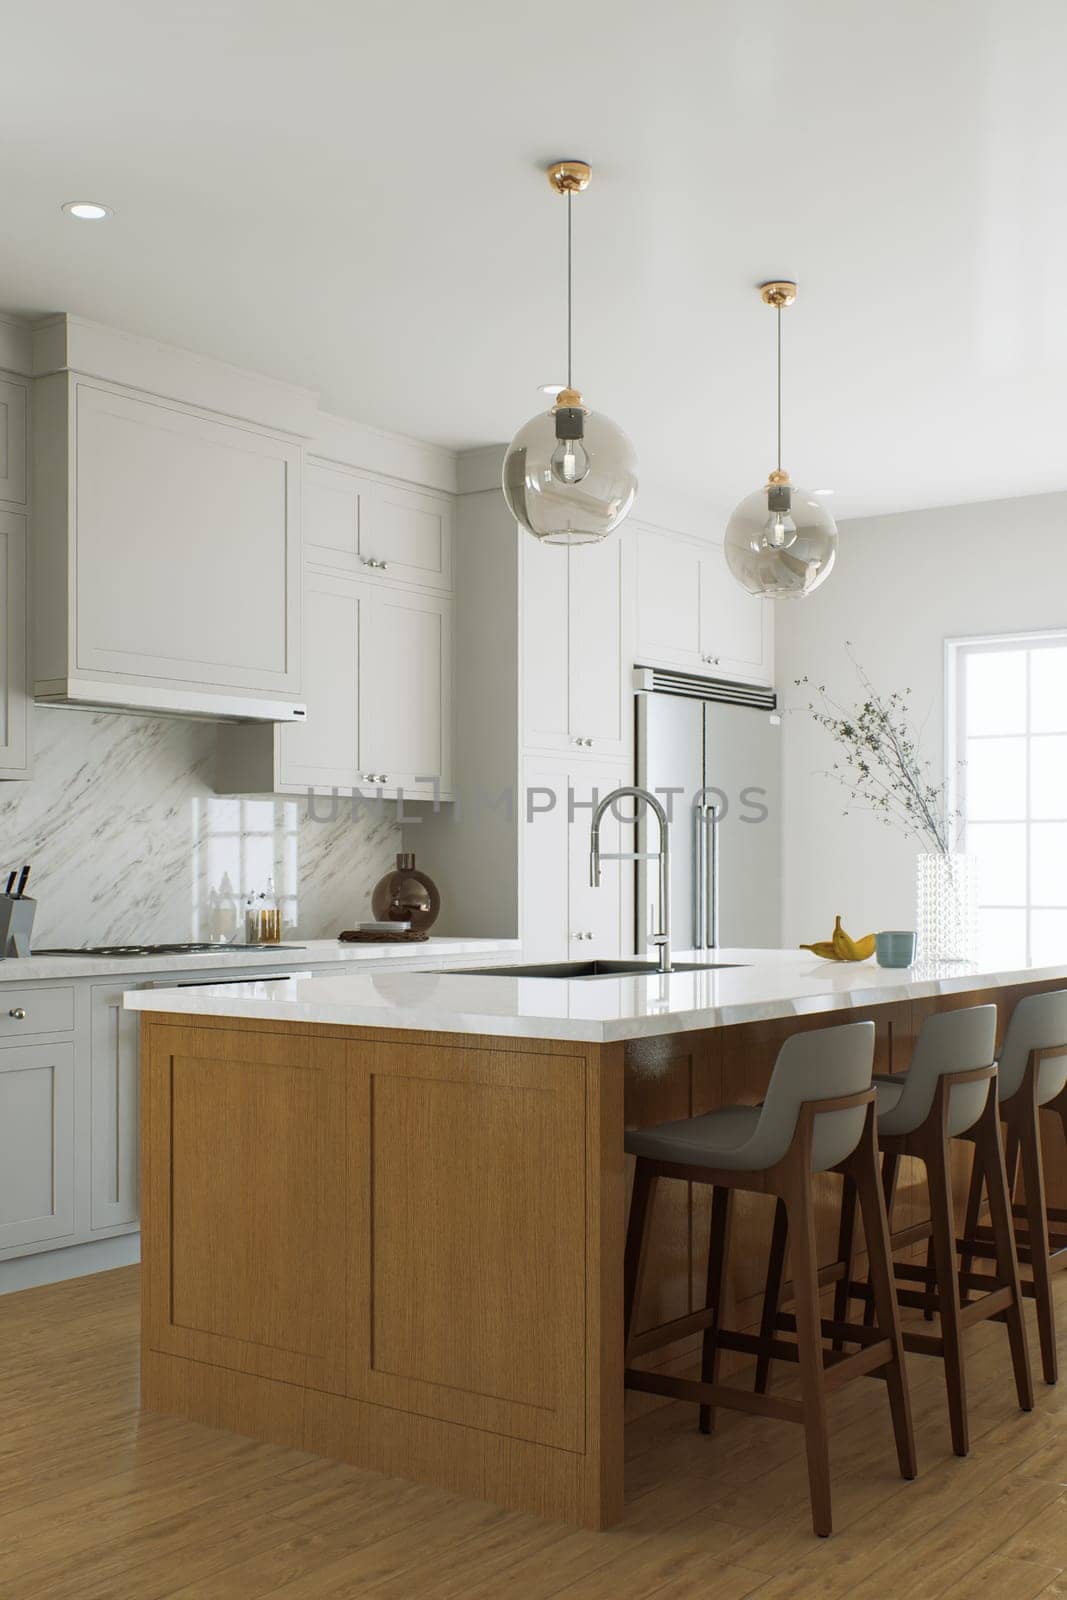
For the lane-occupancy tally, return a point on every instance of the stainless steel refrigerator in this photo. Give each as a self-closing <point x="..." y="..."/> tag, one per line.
<point x="711" y="752"/>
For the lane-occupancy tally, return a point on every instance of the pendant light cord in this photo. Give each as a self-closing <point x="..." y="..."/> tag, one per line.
<point x="779" y="311"/>
<point x="570" y="291"/>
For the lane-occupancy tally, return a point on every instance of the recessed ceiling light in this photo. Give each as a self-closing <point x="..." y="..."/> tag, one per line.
<point x="86" y="210"/>
<point x="552" y="388"/>
<point x="822" y="491"/>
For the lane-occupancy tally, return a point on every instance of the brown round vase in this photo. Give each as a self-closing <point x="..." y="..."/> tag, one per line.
<point x="407" y="895"/>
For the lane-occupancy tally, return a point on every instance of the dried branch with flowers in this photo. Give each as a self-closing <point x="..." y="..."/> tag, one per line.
<point x="881" y="765"/>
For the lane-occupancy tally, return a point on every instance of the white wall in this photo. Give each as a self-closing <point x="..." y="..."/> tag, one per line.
<point x="902" y="585"/>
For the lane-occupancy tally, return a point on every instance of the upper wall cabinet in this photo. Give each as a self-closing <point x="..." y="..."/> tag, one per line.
<point x="577" y="646"/>
<point x="378" y="682"/>
<point x="13" y="407"/>
<point x="167" y="550"/>
<point x="14" y="664"/>
<point x="14" y="704"/>
<point x="370" y="527"/>
<point x="691" y="613"/>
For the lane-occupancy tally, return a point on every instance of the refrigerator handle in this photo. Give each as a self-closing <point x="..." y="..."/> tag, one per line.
<point x="710" y="916"/>
<point x="700" y="876"/>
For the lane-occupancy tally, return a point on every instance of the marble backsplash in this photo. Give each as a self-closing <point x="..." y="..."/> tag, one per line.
<point x="130" y="844"/>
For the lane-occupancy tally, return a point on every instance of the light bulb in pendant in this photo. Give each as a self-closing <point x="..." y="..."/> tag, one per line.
<point x="570" y="463"/>
<point x="779" y="531"/>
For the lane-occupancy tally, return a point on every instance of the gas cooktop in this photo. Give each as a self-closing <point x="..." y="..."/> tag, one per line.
<point x="160" y="949"/>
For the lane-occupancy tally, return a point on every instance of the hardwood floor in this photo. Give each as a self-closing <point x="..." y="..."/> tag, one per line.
<point x="99" y="1501"/>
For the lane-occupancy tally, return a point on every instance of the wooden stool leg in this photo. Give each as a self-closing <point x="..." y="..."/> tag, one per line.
<point x="1029" y="1136"/>
<point x="890" y="1169"/>
<point x="883" y="1292"/>
<point x="644" y="1193"/>
<point x="989" y="1164"/>
<point x="973" y="1212"/>
<point x="948" y="1291"/>
<point x="718" y="1253"/>
<point x="846" y="1245"/>
<point x="931" y="1272"/>
<point x="801" y="1209"/>
<point x="772" y="1294"/>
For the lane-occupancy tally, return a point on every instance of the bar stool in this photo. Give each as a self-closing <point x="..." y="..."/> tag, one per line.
<point x="818" y="1116"/>
<point x="948" y="1093"/>
<point x="1032" y="1076"/>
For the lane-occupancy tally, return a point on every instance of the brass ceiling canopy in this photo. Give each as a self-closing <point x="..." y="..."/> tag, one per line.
<point x="569" y="177"/>
<point x="779" y="293"/>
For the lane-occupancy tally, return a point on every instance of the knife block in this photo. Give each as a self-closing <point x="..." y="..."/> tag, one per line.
<point x="16" y="924"/>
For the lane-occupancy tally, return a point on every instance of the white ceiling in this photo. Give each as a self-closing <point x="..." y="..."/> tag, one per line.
<point x="350" y="196"/>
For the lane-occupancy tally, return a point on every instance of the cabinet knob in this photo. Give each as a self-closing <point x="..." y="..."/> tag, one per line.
<point x="18" y="1012"/>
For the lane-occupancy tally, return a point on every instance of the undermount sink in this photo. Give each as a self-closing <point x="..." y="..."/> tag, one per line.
<point x="591" y="969"/>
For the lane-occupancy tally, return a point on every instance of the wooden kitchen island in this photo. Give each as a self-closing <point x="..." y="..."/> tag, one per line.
<point x="383" y="1217"/>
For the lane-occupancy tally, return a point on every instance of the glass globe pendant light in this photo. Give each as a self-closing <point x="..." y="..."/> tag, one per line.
<point x="570" y="475"/>
<point x="780" y="541"/>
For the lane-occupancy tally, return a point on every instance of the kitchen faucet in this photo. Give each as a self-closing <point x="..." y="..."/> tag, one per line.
<point x="663" y="938"/>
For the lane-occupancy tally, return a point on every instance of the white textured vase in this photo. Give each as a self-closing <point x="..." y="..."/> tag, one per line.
<point x="946" y="907"/>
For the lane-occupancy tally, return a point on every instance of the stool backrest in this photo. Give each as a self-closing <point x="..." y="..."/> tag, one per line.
<point x="949" y="1041"/>
<point x="1039" y="1022"/>
<point x="822" y="1065"/>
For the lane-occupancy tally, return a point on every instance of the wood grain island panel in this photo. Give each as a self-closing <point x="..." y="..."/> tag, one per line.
<point x="403" y="1248"/>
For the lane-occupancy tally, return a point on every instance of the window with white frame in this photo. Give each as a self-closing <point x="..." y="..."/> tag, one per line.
<point x="1008" y="733"/>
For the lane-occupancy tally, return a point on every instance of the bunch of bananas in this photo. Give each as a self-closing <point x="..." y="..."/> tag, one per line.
<point x="841" y="947"/>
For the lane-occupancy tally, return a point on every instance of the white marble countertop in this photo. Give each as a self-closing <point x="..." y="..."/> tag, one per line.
<point x="764" y="985"/>
<point x="429" y="952"/>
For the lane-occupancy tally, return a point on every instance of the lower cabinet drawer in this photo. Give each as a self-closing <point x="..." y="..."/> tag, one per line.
<point x="36" y="1143"/>
<point x="34" y="1009"/>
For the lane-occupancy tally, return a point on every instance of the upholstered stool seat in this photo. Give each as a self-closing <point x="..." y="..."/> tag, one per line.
<point x="948" y="1093"/>
<point x="818" y="1116"/>
<point x="1031" y="1079"/>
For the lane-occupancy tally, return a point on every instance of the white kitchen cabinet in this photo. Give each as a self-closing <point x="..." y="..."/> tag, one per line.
<point x="14" y="700"/>
<point x="577" y="647"/>
<point x="372" y="527"/>
<point x="691" y="614"/>
<point x="167" y="547"/>
<point x="14" y="407"/>
<point x="37" y="1185"/>
<point x="378" y="688"/>
<point x="562" y="917"/>
<point x="113" y="1110"/>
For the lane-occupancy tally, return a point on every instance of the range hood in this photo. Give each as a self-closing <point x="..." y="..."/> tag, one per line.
<point x="203" y="705"/>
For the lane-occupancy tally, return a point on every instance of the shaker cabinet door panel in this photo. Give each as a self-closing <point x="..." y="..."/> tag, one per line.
<point x="668" y="600"/>
<point x="14" y="703"/>
<point x="36" y="1143"/>
<point x="13" y="408"/>
<point x="577" y="647"/>
<point x="691" y="614"/>
<point x="546" y="665"/>
<point x="405" y="690"/>
<point x="456" y="1233"/>
<point x="371" y="528"/>
<point x="324" y="751"/>
<point x="245" y="1202"/>
<point x="114" y="1110"/>
<point x="187" y="541"/>
<point x="563" y="918"/>
<point x="543" y="889"/>
<point x="601" y="647"/>
<point x="734" y="626"/>
<point x="604" y="916"/>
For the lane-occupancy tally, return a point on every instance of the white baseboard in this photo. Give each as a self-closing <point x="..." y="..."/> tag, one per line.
<point x="76" y="1261"/>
